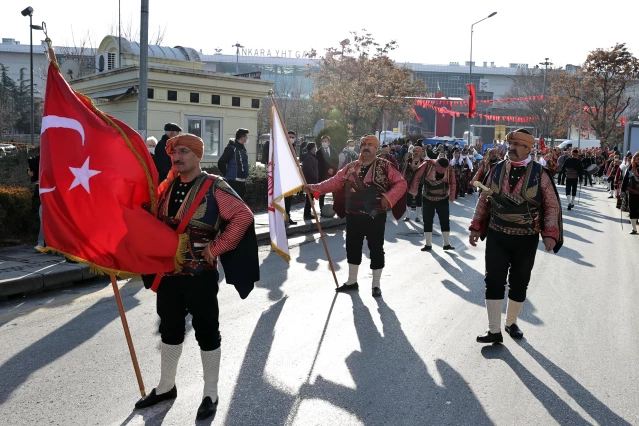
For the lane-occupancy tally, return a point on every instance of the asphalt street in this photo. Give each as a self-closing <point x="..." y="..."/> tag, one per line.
<point x="295" y="353"/>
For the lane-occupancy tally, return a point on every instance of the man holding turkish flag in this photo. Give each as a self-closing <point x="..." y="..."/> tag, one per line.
<point x="97" y="181"/>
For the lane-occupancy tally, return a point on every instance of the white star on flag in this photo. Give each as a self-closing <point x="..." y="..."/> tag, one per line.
<point x="82" y="176"/>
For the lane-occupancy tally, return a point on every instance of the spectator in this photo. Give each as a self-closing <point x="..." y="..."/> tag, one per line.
<point x="311" y="174"/>
<point x="265" y="149"/>
<point x="151" y="143"/>
<point x="303" y="146"/>
<point x="233" y="163"/>
<point x="292" y="136"/>
<point x="348" y="154"/>
<point x="161" y="158"/>
<point x="34" y="173"/>
<point x="288" y="201"/>
<point x="327" y="163"/>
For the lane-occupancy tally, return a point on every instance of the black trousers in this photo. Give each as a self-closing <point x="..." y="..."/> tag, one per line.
<point x="512" y="257"/>
<point x="412" y="202"/>
<point x="287" y="206"/>
<point x="307" y="206"/>
<point x="571" y="187"/>
<point x="186" y="294"/>
<point x="587" y="178"/>
<point x="442" y="208"/>
<point x="321" y="201"/>
<point x="359" y="226"/>
<point x="239" y="187"/>
<point x="561" y="177"/>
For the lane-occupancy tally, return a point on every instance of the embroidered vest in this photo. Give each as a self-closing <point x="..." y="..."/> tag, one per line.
<point x="438" y="189"/>
<point x="365" y="197"/>
<point x="516" y="214"/>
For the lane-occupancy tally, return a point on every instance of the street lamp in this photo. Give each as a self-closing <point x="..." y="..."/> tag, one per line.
<point x="29" y="12"/>
<point x="470" y="74"/>
<point x="237" y="57"/>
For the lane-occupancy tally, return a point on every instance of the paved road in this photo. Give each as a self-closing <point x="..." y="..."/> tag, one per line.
<point x="294" y="353"/>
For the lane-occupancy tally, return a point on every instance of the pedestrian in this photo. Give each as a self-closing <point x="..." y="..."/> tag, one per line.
<point x="311" y="175"/>
<point x="161" y="158"/>
<point x="288" y="201"/>
<point x="511" y="217"/>
<point x="265" y="154"/>
<point x="151" y="143"/>
<point x="348" y="154"/>
<point x="387" y="154"/>
<point x="327" y="163"/>
<point x="561" y="178"/>
<point x="33" y="171"/>
<point x="194" y="288"/>
<point x="434" y="181"/>
<point x="233" y="163"/>
<point x="630" y="191"/>
<point x="574" y="171"/>
<point x="366" y="189"/>
<point x="611" y="172"/>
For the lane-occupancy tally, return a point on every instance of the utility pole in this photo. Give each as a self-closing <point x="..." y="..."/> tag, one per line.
<point x="144" y="69"/>
<point x="545" y="64"/>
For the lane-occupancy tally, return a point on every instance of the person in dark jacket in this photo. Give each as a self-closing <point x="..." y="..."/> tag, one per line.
<point x="327" y="163"/>
<point x="233" y="163"/>
<point x="311" y="174"/>
<point x="161" y="158"/>
<point x="288" y="201"/>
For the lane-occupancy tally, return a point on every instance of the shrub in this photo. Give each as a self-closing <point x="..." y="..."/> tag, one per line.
<point x="18" y="213"/>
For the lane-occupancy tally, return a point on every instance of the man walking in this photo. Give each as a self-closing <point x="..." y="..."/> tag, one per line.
<point x="521" y="202"/>
<point x="573" y="171"/>
<point x="327" y="163"/>
<point x="311" y="175"/>
<point x="233" y="163"/>
<point x="365" y="189"/>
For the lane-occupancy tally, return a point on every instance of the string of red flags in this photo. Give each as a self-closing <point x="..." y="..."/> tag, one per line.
<point x="426" y="104"/>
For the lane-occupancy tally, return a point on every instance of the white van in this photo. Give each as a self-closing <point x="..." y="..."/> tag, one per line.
<point x="583" y="144"/>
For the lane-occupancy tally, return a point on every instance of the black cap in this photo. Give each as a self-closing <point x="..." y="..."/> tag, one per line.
<point x="385" y="144"/>
<point x="172" y="127"/>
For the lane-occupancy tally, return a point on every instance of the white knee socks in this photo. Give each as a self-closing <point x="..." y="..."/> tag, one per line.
<point x="169" y="356"/>
<point x="418" y="211"/>
<point x="211" y="372"/>
<point x="494" y="314"/>
<point x="446" y="236"/>
<point x="377" y="274"/>
<point x="512" y="311"/>
<point x="429" y="238"/>
<point x="633" y="222"/>
<point x="352" y="273"/>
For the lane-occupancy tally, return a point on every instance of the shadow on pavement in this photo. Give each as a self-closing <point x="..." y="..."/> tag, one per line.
<point x="152" y="416"/>
<point x="393" y="385"/>
<point x="61" y="341"/>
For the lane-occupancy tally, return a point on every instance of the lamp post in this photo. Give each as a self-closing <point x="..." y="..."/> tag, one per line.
<point x="237" y="57"/>
<point x="29" y="12"/>
<point x="470" y="74"/>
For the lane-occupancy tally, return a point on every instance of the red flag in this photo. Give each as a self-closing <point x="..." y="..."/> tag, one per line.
<point x="542" y="145"/>
<point x="95" y="176"/>
<point x="472" y="102"/>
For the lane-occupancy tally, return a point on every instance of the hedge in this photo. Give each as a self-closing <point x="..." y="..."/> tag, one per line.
<point x="19" y="218"/>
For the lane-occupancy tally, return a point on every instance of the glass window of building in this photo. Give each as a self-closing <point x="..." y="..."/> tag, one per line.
<point x="215" y="99"/>
<point x="150" y="93"/>
<point x="172" y="95"/>
<point x="195" y="98"/>
<point x="209" y="129"/>
<point x="255" y="103"/>
<point x="236" y="101"/>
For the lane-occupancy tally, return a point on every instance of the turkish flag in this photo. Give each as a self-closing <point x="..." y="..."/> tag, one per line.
<point x="472" y="102"/>
<point x="542" y="145"/>
<point x="95" y="176"/>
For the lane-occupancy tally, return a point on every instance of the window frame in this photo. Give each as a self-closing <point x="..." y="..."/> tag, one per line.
<point x="203" y="127"/>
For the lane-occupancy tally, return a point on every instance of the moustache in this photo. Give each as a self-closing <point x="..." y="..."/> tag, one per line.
<point x="364" y="150"/>
<point x="178" y="163"/>
<point x="512" y="151"/>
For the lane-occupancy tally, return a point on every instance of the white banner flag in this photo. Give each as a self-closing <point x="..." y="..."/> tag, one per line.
<point x="284" y="179"/>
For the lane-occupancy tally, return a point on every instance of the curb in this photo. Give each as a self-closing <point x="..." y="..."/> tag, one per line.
<point x="311" y="226"/>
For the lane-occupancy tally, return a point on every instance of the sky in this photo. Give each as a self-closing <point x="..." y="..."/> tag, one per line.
<point x="427" y="32"/>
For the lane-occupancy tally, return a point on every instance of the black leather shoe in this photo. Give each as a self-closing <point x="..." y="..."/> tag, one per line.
<point x="153" y="398"/>
<point x="611" y="196"/>
<point x="308" y="217"/>
<point x="346" y="287"/>
<point x="377" y="292"/>
<point x="207" y="408"/>
<point x="292" y="222"/>
<point x="514" y="331"/>
<point x="449" y="247"/>
<point x="406" y="219"/>
<point x="569" y="206"/>
<point x="427" y="248"/>
<point x="633" y="232"/>
<point x="490" y="338"/>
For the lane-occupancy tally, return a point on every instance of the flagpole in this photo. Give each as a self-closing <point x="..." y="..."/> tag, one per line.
<point x="127" y="333"/>
<point x="308" y="192"/>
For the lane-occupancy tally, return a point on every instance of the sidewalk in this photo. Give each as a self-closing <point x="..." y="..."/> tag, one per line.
<point x="23" y="270"/>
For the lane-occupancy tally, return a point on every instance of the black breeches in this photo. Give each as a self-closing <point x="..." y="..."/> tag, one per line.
<point x="416" y="201"/>
<point x="307" y="206"/>
<point x="287" y="205"/>
<point x="359" y="226"/>
<point x="588" y="177"/>
<point x="442" y="208"/>
<point x="571" y="187"/>
<point x="509" y="257"/>
<point x="239" y="187"/>
<point x="183" y="294"/>
<point x="321" y="201"/>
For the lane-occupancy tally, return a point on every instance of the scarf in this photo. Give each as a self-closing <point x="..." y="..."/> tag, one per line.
<point x="521" y="163"/>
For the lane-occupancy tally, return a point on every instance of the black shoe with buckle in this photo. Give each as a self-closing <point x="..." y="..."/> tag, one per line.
<point x="347" y="287"/>
<point x="427" y="248"/>
<point x="153" y="398"/>
<point x="406" y="219"/>
<point x="633" y="232"/>
<point x="207" y="408"/>
<point x="514" y="331"/>
<point x="377" y="292"/>
<point x="449" y="247"/>
<point x="489" y="337"/>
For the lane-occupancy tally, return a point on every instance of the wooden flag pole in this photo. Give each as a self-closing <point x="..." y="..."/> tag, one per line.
<point x="127" y="333"/>
<point x="308" y="192"/>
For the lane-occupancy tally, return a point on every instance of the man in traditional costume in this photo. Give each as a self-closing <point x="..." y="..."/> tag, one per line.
<point x="213" y="222"/>
<point x="413" y="204"/>
<point x="574" y="172"/>
<point x="461" y="165"/>
<point x="437" y="178"/>
<point x="485" y="165"/>
<point x="630" y="192"/>
<point x="521" y="202"/>
<point x="611" y="172"/>
<point x="364" y="190"/>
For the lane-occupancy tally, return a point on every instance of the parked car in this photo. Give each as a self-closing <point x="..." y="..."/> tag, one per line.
<point x="7" y="150"/>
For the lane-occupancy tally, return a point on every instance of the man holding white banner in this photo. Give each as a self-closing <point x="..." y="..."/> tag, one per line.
<point x="284" y="180"/>
<point x="364" y="190"/>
